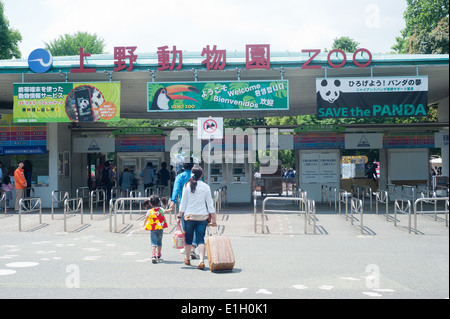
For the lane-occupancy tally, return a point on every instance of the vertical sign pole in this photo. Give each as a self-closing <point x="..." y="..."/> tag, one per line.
<point x="209" y="160"/>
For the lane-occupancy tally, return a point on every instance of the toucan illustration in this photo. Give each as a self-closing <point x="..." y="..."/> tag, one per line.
<point x="164" y="95"/>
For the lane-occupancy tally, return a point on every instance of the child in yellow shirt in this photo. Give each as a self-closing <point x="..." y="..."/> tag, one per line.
<point x="155" y="223"/>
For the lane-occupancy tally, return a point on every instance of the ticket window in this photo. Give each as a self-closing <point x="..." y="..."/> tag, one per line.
<point x="216" y="173"/>
<point x="239" y="173"/>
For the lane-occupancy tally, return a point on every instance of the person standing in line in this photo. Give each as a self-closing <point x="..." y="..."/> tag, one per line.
<point x="7" y="188"/>
<point x="163" y="177"/>
<point x="180" y="181"/>
<point x="148" y="175"/>
<point x="197" y="207"/>
<point x="107" y="176"/>
<point x="125" y="181"/>
<point x="20" y="183"/>
<point x="372" y="173"/>
<point x="28" y="171"/>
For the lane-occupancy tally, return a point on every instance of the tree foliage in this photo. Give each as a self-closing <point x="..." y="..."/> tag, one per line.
<point x="70" y="44"/>
<point x="9" y="38"/>
<point x="426" y="28"/>
<point x="346" y="44"/>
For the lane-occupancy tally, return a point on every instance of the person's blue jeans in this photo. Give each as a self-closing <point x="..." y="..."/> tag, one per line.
<point x="156" y="237"/>
<point x="183" y="226"/>
<point x="195" y="229"/>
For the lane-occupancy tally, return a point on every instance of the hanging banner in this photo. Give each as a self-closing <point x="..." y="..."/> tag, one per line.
<point x="218" y="96"/>
<point x="372" y="97"/>
<point x="66" y="102"/>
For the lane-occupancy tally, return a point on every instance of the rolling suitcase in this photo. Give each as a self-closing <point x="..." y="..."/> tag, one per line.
<point x="220" y="253"/>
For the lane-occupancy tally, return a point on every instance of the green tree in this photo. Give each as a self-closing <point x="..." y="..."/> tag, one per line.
<point x="70" y="44"/>
<point x="423" y="18"/>
<point x="434" y="42"/>
<point x="9" y="38"/>
<point x="346" y="44"/>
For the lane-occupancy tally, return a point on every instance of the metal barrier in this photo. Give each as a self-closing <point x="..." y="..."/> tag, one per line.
<point x="3" y="200"/>
<point x="59" y="197"/>
<point x="73" y="205"/>
<point x="409" y="192"/>
<point x="392" y="191"/>
<point x="324" y="193"/>
<point x="343" y="199"/>
<point x="96" y="198"/>
<point x="119" y="207"/>
<point x="332" y="190"/>
<point x="306" y="212"/>
<point x="435" y="211"/>
<point x="34" y="205"/>
<point x="382" y="197"/>
<point x="363" y="192"/>
<point x="358" y="208"/>
<point x="83" y="192"/>
<point x="403" y="206"/>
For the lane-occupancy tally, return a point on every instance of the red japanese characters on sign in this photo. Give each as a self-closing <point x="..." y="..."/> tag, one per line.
<point x="164" y="61"/>
<point x="215" y="59"/>
<point x="120" y="53"/>
<point x="82" y="69"/>
<point x="257" y="56"/>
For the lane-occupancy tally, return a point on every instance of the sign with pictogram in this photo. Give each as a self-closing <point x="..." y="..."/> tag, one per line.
<point x="210" y="128"/>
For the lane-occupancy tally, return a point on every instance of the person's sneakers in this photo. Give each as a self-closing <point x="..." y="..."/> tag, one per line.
<point x="193" y="254"/>
<point x="158" y="257"/>
<point x="154" y="260"/>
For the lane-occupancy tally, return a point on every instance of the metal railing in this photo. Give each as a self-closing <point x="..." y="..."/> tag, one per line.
<point x="83" y="192"/>
<point x="324" y="192"/>
<point x="357" y="208"/>
<point x="409" y="193"/>
<point x="435" y="211"/>
<point x="97" y="196"/>
<point x="3" y="201"/>
<point x="343" y="199"/>
<point x="34" y="204"/>
<point x="119" y="207"/>
<point x="310" y="208"/>
<point x="403" y="206"/>
<point x="382" y="197"/>
<point x="331" y="191"/>
<point x="72" y="206"/>
<point x="58" y="197"/>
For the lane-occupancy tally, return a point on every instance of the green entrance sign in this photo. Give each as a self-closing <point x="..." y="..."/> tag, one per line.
<point x="218" y="96"/>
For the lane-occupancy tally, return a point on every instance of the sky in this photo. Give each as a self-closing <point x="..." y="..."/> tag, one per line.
<point x="287" y="25"/>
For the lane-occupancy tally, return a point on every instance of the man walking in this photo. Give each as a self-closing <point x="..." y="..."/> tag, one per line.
<point x="20" y="184"/>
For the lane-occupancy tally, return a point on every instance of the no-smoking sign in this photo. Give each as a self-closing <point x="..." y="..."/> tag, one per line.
<point x="210" y="128"/>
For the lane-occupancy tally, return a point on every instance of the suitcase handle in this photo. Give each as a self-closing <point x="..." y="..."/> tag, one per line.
<point x="216" y="227"/>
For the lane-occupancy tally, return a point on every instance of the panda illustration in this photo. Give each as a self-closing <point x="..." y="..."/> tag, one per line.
<point x="83" y="103"/>
<point x="97" y="98"/>
<point x="329" y="90"/>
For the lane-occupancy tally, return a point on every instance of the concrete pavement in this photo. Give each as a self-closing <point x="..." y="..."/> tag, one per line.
<point x="89" y="261"/>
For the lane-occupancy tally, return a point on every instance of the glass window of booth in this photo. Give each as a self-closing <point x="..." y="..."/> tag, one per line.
<point x="39" y="169"/>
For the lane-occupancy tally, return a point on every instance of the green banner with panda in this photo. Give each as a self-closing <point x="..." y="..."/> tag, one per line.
<point x="66" y="102"/>
<point x="375" y="97"/>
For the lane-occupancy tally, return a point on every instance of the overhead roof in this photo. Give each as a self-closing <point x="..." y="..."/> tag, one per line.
<point x="286" y="65"/>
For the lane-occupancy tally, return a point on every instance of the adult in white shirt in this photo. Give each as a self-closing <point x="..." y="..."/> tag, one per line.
<point x="197" y="206"/>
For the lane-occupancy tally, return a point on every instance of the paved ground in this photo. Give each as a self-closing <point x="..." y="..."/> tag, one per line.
<point x="89" y="261"/>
